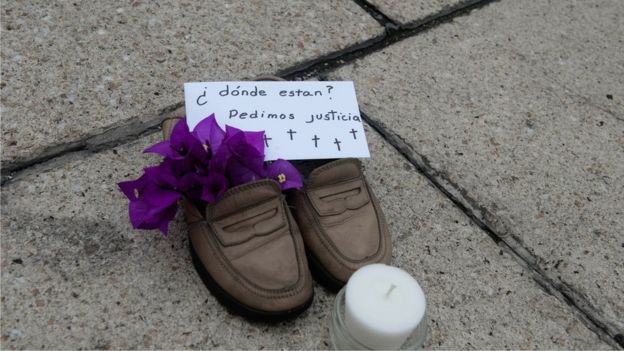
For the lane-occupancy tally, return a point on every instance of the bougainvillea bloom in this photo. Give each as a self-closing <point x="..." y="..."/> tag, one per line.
<point x="200" y="166"/>
<point x="182" y="144"/>
<point x="208" y="132"/>
<point x="151" y="206"/>
<point x="285" y="174"/>
<point x="246" y="155"/>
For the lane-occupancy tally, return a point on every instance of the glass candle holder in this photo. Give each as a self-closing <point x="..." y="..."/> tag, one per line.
<point x="341" y="339"/>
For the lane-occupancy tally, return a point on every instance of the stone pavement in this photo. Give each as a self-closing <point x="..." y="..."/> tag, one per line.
<point x="496" y="132"/>
<point x="77" y="70"/>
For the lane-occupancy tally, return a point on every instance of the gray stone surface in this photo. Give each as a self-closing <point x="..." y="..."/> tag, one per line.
<point x="75" y="275"/>
<point x="574" y="47"/>
<point x="411" y="13"/>
<point x="508" y="106"/>
<point x="75" y="69"/>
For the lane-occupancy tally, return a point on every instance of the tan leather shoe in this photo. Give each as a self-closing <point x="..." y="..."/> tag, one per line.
<point x="342" y="224"/>
<point x="248" y="250"/>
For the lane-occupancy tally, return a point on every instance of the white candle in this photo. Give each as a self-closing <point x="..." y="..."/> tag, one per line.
<point x="383" y="305"/>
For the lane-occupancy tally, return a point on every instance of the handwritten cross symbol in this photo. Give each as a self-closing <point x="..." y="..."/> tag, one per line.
<point x="353" y="131"/>
<point x="266" y="140"/>
<point x="291" y="132"/>
<point x="316" y="139"/>
<point x="337" y="142"/>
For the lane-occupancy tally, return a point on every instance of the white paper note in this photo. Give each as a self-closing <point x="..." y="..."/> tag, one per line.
<point x="301" y="120"/>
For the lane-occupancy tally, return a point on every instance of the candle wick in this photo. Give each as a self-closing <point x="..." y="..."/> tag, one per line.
<point x="392" y="286"/>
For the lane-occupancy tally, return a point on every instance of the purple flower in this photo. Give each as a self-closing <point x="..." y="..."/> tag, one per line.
<point x="200" y="166"/>
<point x="151" y="206"/>
<point x="168" y="173"/>
<point x="181" y="145"/>
<point x="285" y="174"/>
<point x="191" y="185"/>
<point x="209" y="133"/>
<point x="133" y="188"/>
<point x="246" y="155"/>
<point x="255" y="139"/>
<point x="213" y="186"/>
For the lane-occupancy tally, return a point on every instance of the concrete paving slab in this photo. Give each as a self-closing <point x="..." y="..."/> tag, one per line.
<point x="413" y="13"/>
<point x="575" y="46"/>
<point x="71" y="70"/>
<point x="490" y="104"/>
<point x="75" y="275"/>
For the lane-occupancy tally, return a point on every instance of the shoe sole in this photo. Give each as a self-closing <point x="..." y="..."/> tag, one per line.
<point x="322" y="276"/>
<point x="236" y="306"/>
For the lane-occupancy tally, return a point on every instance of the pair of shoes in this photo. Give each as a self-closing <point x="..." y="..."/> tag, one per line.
<point x="252" y="252"/>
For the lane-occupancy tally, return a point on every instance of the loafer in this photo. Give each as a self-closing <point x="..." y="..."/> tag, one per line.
<point x="342" y="224"/>
<point x="248" y="250"/>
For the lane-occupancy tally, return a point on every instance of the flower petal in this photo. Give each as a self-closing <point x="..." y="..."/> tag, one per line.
<point x="285" y="174"/>
<point x="242" y="170"/>
<point x="219" y="160"/>
<point x="133" y="188"/>
<point x="233" y="137"/>
<point x="245" y="164"/>
<point x="208" y="132"/>
<point x="180" y="132"/>
<point x="162" y="148"/>
<point x="162" y="175"/>
<point x="182" y="144"/>
<point x="191" y="184"/>
<point x="144" y="216"/>
<point x="167" y="216"/>
<point x="256" y="139"/>
<point x="214" y="186"/>
<point x="154" y="206"/>
<point x="158" y="197"/>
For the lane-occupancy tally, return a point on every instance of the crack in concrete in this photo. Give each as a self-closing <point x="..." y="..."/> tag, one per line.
<point x="131" y="129"/>
<point x="498" y="232"/>
<point x="378" y="15"/>
<point x="392" y="35"/>
<point x="116" y="134"/>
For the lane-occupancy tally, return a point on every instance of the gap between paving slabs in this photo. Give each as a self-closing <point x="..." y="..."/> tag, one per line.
<point x="463" y="196"/>
<point x="323" y="64"/>
<point x="400" y="149"/>
<point x="124" y="65"/>
<point x="128" y="130"/>
<point x="124" y="133"/>
<point x="479" y="297"/>
<point x="477" y="213"/>
<point x="119" y="135"/>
